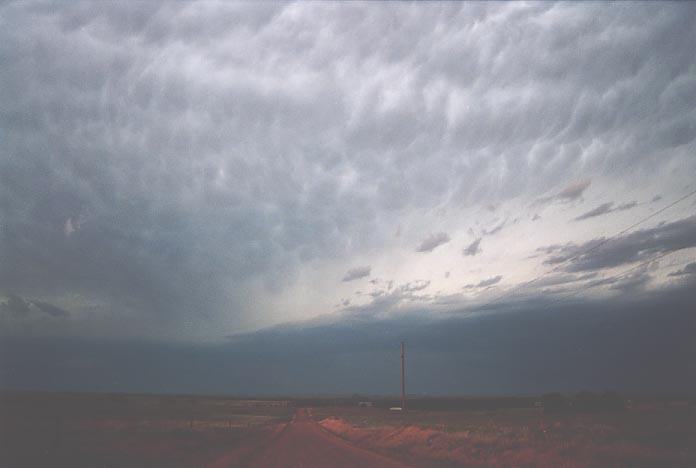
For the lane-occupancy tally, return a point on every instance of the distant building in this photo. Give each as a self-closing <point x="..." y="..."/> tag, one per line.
<point x="366" y="404"/>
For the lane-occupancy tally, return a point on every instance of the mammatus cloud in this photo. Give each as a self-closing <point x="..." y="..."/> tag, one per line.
<point x="357" y="273"/>
<point x="433" y="241"/>
<point x="605" y="208"/>
<point x="689" y="269"/>
<point x="473" y="248"/>
<point x="218" y="153"/>
<point x="628" y="248"/>
<point x="485" y="283"/>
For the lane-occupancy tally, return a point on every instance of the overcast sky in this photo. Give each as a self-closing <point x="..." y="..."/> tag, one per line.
<point x="191" y="174"/>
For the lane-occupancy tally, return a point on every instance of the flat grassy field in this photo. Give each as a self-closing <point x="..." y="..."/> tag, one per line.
<point x="143" y="431"/>
<point x="646" y="435"/>
<point x="90" y="430"/>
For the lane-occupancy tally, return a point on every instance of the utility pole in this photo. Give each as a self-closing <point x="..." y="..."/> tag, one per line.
<point x="403" y="377"/>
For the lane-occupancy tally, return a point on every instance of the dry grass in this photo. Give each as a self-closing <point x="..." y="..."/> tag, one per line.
<point x="151" y="431"/>
<point x="127" y="431"/>
<point x="661" y="436"/>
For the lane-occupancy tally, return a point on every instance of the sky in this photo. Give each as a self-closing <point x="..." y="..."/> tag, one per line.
<point x="288" y="190"/>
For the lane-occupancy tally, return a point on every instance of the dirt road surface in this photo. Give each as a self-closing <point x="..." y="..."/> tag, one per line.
<point x="304" y="443"/>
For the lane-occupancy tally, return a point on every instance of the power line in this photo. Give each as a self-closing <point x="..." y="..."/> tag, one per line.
<point x="624" y="231"/>
<point x="593" y="247"/>
<point x="613" y="279"/>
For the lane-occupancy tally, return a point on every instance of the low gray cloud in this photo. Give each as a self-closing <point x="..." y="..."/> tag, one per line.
<point x="494" y="230"/>
<point x="629" y="248"/>
<point x="485" y="283"/>
<point x="627" y="206"/>
<point x="384" y="299"/>
<point x="632" y="283"/>
<point x="357" y="273"/>
<point x="601" y="282"/>
<point x="15" y="306"/>
<point x="472" y="249"/>
<point x="569" y="193"/>
<point x="600" y="210"/>
<point x="606" y="208"/>
<point x="50" y="309"/>
<point x="573" y="191"/>
<point x="433" y="241"/>
<point x="413" y="286"/>
<point x="559" y="279"/>
<point x="689" y="269"/>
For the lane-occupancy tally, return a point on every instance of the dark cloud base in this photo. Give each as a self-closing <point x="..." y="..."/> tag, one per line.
<point x="642" y="346"/>
<point x="628" y="248"/>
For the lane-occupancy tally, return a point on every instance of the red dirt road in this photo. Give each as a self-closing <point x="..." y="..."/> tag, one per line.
<point x="304" y="443"/>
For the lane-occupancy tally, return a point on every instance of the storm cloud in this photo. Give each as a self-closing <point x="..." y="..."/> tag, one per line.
<point x="16" y="307"/>
<point x="485" y="283"/>
<point x="637" y="246"/>
<point x="432" y="241"/>
<point x="688" y="269"/>
<point x="473" y="248"/>
<point x="569" y="193"/>
<point x="187" y="171"/>
<point x="606" y="208"/>
<point x="357" y="273"/>
<point x="641" y="346"/>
